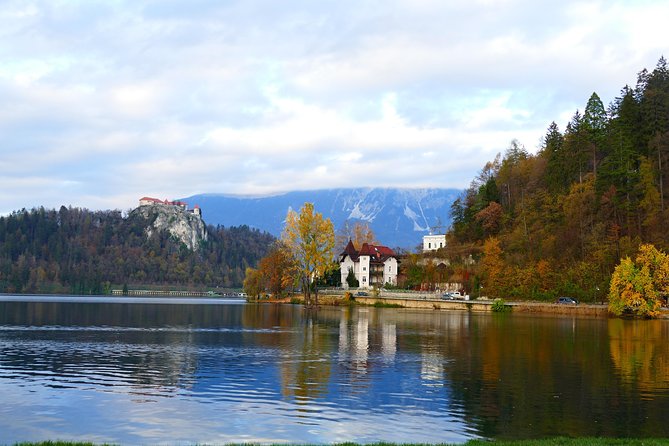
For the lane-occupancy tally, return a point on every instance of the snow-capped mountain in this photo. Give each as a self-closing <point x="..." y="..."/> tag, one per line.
<point x="398" y="217"/>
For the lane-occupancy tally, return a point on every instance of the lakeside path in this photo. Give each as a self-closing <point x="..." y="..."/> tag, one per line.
<point x="429" y="301"/>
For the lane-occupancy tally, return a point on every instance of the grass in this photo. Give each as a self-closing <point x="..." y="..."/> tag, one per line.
<point x="380" y="304"/>
<point x="546" y="442"/>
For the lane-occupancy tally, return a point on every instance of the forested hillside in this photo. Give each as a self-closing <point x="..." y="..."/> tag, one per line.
<point x="87" y="252"/>
<point x="559" y="221"/>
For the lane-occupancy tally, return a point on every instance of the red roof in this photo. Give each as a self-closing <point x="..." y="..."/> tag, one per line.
<point x="155" y="200"/>
<point x="377" y="253"/>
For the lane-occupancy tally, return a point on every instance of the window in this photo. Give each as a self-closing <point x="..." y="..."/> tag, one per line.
<point x="441" y="245"/>
<point x="390" y="269"/>
<point x="364" y="268"/>
<point x="429" y="245"/>
<point x="364" y="278"/>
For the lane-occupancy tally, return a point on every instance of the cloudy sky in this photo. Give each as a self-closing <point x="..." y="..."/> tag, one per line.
<point x="102" y="102"/>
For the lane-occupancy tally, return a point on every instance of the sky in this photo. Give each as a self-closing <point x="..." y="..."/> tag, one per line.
<point x="103" y="102"/>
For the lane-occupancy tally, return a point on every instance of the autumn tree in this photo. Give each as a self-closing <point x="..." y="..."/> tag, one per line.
<point x="638" y="287"/>
<point x="253" y="283"/>
<point x="490" y="217"/>
<point x="358" y="232"/>
<point x="493" y="266"/>
<point x="310" y="239"/>
<point x="277" y="269"/>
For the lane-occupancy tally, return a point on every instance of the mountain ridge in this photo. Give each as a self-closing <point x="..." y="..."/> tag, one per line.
<point x="398" y="216"/>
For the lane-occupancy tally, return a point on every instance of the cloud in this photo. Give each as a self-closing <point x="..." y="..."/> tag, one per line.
<point x="104" y="102"/>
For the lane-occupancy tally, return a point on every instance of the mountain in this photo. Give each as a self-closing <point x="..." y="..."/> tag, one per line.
<point x="398" y="217"/>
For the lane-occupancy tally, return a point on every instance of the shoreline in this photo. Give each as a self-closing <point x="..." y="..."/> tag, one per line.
<point x="423" y="302"/>
<point x="419" y="301"/>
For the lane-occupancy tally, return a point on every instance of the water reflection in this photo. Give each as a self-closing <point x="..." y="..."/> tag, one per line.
<point x="640" y="353"/>
<point x="164" y="372"/>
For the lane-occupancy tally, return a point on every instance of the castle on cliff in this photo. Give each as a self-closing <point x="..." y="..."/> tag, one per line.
<point x="148" y="201"/>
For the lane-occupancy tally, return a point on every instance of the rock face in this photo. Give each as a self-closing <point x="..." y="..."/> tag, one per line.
<point x="185" y="227"/>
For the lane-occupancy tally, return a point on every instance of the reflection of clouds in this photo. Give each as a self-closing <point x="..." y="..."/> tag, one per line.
<point x="225" y="386"/>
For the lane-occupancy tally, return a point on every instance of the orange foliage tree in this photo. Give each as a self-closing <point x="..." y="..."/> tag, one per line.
<point x="493" y="267"/>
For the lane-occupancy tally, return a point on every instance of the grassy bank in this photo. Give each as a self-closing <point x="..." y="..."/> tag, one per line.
<point x="546" y="442"/>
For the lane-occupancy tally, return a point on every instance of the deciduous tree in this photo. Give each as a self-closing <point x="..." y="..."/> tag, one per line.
<point x="277" y="269"/>
<point x="310" y="239"/>
<point x="637" y="286"/>
<point x="358" y="232"/>
<point x="493" y="267"/>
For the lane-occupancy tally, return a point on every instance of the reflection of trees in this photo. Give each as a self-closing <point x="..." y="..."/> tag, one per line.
<point x="507" y="375"/>
<point x="537" y="377"/>
<point x="640" y="352"/>
<point x="306" y="374"/>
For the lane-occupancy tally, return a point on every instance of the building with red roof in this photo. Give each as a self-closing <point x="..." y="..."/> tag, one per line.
<point x="147" y="201"/>
<point x="373" y="265"/>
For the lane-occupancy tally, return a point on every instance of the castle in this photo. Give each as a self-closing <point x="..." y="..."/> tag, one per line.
<point x="147" y="201"/>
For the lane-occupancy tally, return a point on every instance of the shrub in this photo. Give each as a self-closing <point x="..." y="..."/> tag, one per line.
<point x="380" y="304"/>
<point x="499" y="306"/>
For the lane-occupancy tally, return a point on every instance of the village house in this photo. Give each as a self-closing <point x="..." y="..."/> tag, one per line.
<point x="432" y="242"/>
<point x="373" y="265"/>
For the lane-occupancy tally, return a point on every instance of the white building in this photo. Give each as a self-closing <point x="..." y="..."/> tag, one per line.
<point x="373" y="265"/>
<point x="433" y="242"/>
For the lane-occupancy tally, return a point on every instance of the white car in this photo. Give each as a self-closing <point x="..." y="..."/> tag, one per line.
<point x="454" y="295"/>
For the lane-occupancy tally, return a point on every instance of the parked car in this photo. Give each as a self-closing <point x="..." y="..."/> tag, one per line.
<point x="361" y="294"/>
<point x="448" y="296"/>
<point x="567" y="301"/>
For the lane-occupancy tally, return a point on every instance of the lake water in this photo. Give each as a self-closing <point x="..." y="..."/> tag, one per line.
<point x="167" y="371"/>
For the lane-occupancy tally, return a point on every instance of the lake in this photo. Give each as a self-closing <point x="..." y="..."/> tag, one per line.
<point x="181" y="371"/>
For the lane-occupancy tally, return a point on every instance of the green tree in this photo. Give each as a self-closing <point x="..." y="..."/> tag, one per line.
<point x="351" y="280"/>
<point x="595" y="121"/>
<point x="554" y="155"/>
<point x="310" y="239"/>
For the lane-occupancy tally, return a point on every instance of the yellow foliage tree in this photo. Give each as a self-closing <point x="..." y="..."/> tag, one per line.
<point x="493" y="266"/>
<point x="310" y="239"/>
<point x="637" y="288"/>
<point x="253" y="283"/>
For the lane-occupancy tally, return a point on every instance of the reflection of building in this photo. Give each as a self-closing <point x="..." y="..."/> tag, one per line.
<point x="432" y="368"/>
<point x="433" y="242"/>
<point x="373" y="265"/>
<point x="389" y="341"/>
<point x="354" y="341"/>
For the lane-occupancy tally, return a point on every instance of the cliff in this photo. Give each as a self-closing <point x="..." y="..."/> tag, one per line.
<point x="182" y="225"/>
